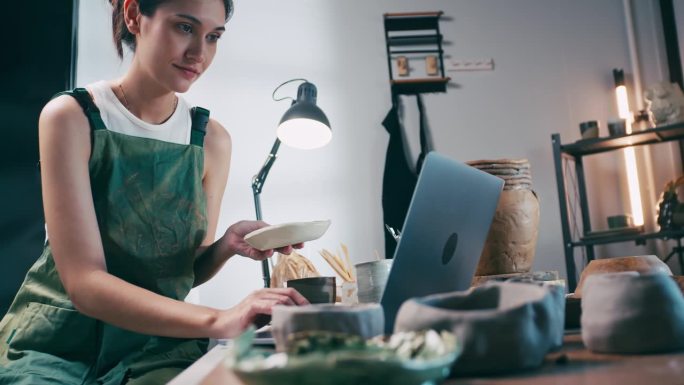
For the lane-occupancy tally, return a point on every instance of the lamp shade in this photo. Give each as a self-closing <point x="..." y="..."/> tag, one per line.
<point x="304" y="125"/>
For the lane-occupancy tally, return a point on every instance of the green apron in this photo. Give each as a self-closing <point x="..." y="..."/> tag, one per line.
<point x="151" y="212"/>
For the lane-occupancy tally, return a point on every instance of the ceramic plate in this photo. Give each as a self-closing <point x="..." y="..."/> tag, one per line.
<point x="273" y="237"/>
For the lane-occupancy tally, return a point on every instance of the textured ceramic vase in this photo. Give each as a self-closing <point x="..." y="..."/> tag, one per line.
<point x="502" y="326"/>
<point x="366" y="321"/>
<point x="641" y="263"/>
<point x="631" y="313"/>
<point x="512" y="238"/>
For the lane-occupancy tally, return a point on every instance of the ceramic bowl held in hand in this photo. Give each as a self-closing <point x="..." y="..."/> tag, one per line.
<point x="273" y="237"/>
<point x="315" y="289"/>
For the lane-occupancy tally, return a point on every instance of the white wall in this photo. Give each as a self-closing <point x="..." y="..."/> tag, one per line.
<point x="553" y="62"/>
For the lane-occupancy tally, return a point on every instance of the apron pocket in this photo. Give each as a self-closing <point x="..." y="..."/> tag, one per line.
<point x="62" y="332"/>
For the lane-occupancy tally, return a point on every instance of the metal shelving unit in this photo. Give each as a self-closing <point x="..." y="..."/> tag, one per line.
<point x="572" y="153"/>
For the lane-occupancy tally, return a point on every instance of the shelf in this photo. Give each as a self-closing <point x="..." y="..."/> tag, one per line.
<point x="427" y="42"/>
<point x="411" y="21"/>
<point x="672" y="234"/>
<point x="573" y="152"/>
<point x="414" y="86"/>
<point x="414" y="40"/>
<point x="650" y="136"/>
<point x="416" y="51"/>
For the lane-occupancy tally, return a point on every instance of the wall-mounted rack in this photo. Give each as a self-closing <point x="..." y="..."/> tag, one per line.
<point x="421" y="31"/>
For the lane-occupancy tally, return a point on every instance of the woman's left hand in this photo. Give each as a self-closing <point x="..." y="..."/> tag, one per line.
<point x="235" y="236"/>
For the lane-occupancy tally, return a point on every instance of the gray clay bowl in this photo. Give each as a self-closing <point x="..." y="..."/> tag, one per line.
<point x="502" y="326"/>
<point x="366" y="321"/>
<point x="632" y="313"/>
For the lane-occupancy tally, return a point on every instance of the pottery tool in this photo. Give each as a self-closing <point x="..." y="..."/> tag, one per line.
<point x="345" y="250"/>
<point x="342" y="269"/>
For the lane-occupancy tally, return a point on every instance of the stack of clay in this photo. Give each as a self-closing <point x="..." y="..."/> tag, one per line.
<point x="512" y="238"/>
<point x="515" y="172"/>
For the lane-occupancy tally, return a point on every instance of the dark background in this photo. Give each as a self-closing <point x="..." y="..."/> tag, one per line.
<point x="38" y="61"/>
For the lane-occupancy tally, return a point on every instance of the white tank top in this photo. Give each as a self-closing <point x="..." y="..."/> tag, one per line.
<point x="117" y="118"/>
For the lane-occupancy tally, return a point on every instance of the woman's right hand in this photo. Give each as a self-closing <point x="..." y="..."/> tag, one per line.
<point x="255" y="306"/>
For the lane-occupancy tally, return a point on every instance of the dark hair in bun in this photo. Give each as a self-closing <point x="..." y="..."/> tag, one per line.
<point x="147" y="7"/>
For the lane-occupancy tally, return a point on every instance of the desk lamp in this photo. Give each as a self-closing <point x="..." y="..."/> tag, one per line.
<point x="303" y="126"/>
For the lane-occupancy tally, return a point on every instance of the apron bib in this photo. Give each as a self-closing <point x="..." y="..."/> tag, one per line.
<point x="151" y="213"/>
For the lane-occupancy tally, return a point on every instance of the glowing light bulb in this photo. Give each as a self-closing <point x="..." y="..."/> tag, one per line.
<point x="630" y="154"/>
<point x="623" y="105"/>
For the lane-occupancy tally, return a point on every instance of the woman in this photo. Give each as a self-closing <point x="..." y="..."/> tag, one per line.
<point x="132" y="190"/>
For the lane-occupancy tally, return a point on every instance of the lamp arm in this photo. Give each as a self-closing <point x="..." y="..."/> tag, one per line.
<point x="260" y="178"/>
<point x="257" y="185"/>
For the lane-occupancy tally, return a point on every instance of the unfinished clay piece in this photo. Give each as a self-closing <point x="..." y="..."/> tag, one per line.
<point x="512" y="238"/>
<point x="632" y="313"/>
<point x="640" y="263"/>
<point x="366" y="321"/>
<point x="502" y="326"/>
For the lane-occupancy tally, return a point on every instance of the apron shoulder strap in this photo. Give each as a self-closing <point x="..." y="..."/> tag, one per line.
<point x="89" y="108"/>
<point x="200" y="118"/>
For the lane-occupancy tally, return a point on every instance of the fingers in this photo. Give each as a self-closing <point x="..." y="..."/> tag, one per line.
<point x="287" y="250"/>
<point x="261" y="255"/>
<point x="290" y="248"/>
<point x="244" y="227"/>
<point x="299" y="299"/>
<point x="265" y="299"/>
<point x="291" y="293"/>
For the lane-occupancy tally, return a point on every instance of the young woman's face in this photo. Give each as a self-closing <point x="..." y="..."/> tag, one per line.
<point x="178" y="42"/>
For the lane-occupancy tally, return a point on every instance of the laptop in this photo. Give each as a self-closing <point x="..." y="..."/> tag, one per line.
<point x="444" y="232"/>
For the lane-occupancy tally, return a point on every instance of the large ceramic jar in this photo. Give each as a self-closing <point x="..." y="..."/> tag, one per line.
<point x="512" y="238"/>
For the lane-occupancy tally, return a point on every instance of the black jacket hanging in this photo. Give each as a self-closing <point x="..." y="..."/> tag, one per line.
<point x="399" y="179"/>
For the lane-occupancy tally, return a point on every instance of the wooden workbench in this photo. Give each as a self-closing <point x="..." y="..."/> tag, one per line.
<point x="573" y="365"/>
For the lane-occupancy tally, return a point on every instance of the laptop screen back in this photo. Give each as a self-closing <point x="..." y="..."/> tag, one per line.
<point x="444" y="232"/>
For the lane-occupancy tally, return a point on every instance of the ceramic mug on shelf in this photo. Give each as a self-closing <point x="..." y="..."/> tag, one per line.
<point x="589" y="129"/>
<point x="619" y="221"/>
<point x="617" y="127"/>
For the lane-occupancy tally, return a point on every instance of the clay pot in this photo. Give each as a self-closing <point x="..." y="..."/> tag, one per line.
<point x="631" y="313"/>
<point x="642" y="264"/>
<point x="502" y="326"/>
<point x="512" y="238"/>
<point x="366" y="321"/>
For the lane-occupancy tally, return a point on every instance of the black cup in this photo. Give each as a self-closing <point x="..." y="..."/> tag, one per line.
<point x="617" y="127"/>
<point x="315" y="289"/>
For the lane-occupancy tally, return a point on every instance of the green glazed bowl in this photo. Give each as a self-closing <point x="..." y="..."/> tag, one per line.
<point x="351" y="368"/>
<point x="336" y="359"/>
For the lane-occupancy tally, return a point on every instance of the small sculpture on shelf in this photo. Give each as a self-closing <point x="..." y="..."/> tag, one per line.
<point x="666" y="103"/>
<point x="668" y="205"/>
